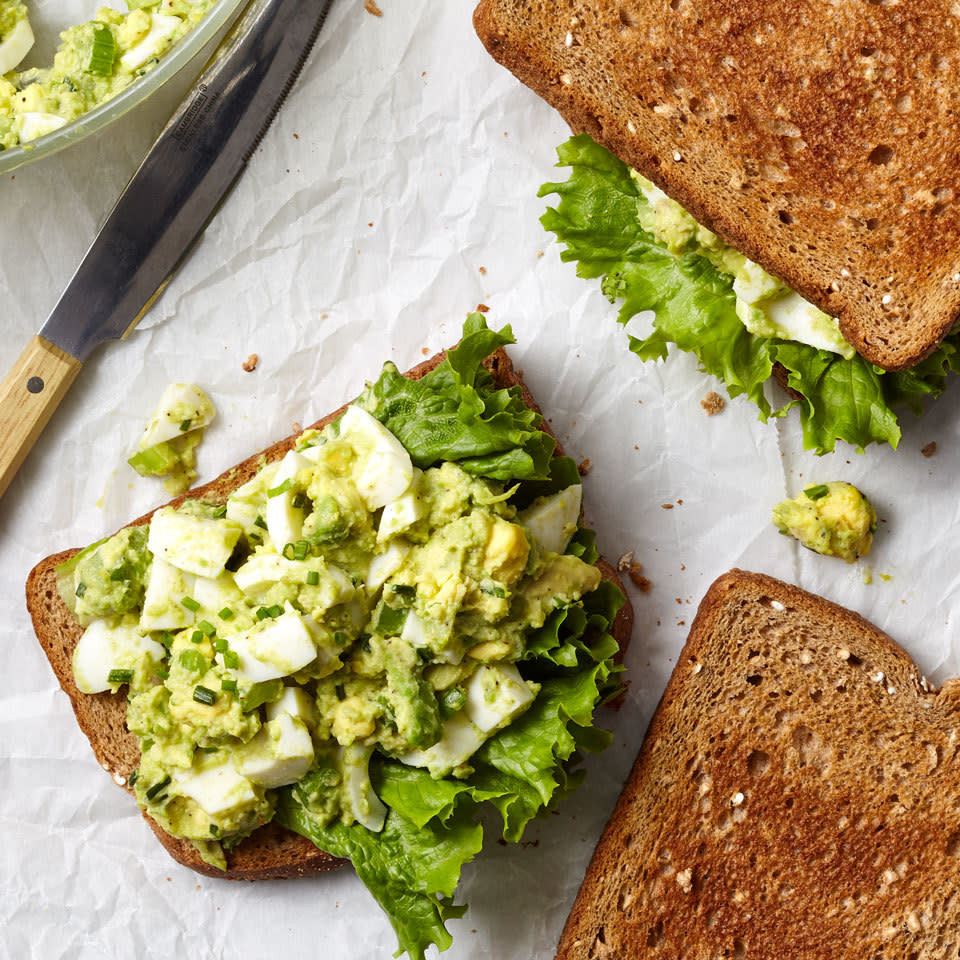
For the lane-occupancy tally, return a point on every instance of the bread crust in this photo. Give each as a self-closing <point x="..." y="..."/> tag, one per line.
<point x="272" y="851"/>
<point x="792" y="797"/>
<point x="828" y="165"/>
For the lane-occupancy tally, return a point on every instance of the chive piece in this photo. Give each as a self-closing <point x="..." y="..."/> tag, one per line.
<point x="405" y="590"/>
<point x="493" y="590"/>
<point x="206" y="627"/>
<point x="196" y="637"/>
<point x="339" y="638"/>
<point x="220" y="645"/>
<point x="119" y="676"/>
<point x="287" y="551"/>
<point x="275" y="610"/>
<point x="193" y="660"/>
<point x="259" y="522"/>
<point x="132" y="779"/>
<point x="817" y="492"/>
<point x="300" y="549"/>
<point x="166" y="638"/>
<point x="262" y="613"/>
<point x="225" y="614"/>
<point x="229" y="685"/>
<point x="103" y="51"/>
<point x="231" y="659"/>
<point x="220" y="512"/>
<point x="190" y="604"/>
<point x="161" y="674"/>
<point x="157" y="787"/>
<point x="340" y="692"/>
<point x="299" y="500"/>
<point x="214" y="830"/>
<point x="146" y="745"/>
<point x="81" y="589"/>
<point x="185" y="425"/>
<point x="313" y="578"/>
<point x="390" y="622"/>
<point x="280" y="488"/>
<point x="204" y="695"/>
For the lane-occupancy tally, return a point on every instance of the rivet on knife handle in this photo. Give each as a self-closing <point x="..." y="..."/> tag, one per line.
<point x="29" y="394"/>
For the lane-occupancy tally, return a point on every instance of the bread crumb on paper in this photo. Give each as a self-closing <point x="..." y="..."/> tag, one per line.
<point x="482" y="308"/>
<point x="250" y="364"/>
<point x="930" y="449"/>
<point x="583" y="467"/>
<point x="713" y="403"/>
<point x="371" y="7"/>
<point x="483" y="271"/>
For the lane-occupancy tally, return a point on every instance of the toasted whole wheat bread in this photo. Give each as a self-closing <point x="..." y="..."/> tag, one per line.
<point x="272" y="851"/>
<point x="817" y="138"/>
<point x="796" y="796"/>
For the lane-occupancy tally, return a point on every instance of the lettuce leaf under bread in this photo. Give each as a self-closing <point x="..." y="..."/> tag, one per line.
<point x="695" y="309"/>
<point x="413" y="865"/>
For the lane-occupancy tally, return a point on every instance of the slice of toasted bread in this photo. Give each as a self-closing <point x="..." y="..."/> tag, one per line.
<point x="795" y="797"/>
<point x="272" y="851"/>
<point x="810" y="136"/>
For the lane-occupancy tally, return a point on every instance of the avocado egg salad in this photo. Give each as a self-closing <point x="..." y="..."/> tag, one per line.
<point x="395" y="625"/>
<point x="94" y="62"/>
<point x="710" y="300"/>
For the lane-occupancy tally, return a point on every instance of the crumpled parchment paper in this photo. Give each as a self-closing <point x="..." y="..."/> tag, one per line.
<point x="395" y="191"/>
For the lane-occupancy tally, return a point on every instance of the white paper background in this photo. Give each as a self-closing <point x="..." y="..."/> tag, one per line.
<point x="395" y="191"/>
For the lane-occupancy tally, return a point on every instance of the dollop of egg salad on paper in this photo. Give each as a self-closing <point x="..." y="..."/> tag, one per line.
<point x="94" y="62"/>
<point x="396" y="624"/>
<point x="710" y="300"/>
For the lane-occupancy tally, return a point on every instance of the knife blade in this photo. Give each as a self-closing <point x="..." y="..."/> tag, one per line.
<point x="163" y="210"/>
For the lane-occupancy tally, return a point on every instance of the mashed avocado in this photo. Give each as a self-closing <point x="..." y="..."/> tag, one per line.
<point x="765" y="306"/>
<point x="94" y="62"/>
<point x="834" y="519"/>
<point x="340" y="603"/>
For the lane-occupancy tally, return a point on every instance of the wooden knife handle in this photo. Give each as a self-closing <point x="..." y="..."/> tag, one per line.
<point x="29" y="394"/>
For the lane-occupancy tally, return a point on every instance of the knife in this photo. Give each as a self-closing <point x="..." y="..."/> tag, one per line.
<point x="164" y="208"/>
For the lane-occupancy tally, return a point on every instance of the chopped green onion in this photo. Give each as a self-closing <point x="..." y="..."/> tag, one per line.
<point x="220" y="512"/>
<point x="297" y="605"/>
<point x="81" y="589"/>
<point x="262" y="613"/>
<point x="103" y="50"/>
<point x="287" y="551"/>
<point x="275" y="610"/>
<point x="132" y="779"/>
<point x="299" y="500"/>
<point x="300" y="550"/>
<point x="340" y="692"/>
<point x="405" y="590"/>
<point x="259" y="522"/>
<point x="193" y="660"/>
<point x="817" y="492"/>
<point x="204" y="695"/>
<point x="157" y="787"/>
<point x="185" y="425"/>
<point x="452" y="700"/>
<point x="190" y="604"/>
<point x="225" y="614"/>
<point x="280" y="488"/>
<point x="390" y="621"/>
<point x="146" y="745"/>
<point x="166" y="638"/>
<point x="339" y="638"/>
<point x="220" y="645"/>
<point x="313" y="578"/>
<point x="196" y="637"/>
<point x="119" y="676"/>
<point x="206" y="627"/>
<point x="493" y="590"/>
<point x="161" y="673"/>
<point x="231" y="659"/>
<point x="214" y="830"/>
<point x="229" y="685"/>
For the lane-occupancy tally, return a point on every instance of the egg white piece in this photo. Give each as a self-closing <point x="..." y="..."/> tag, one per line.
<point x="274" y="651"/>
<point x="460" y="741"/>
<point x="365" y="805"/>
<point x="103" y="647"/>
<point x="217" y="789"/>
<point x="386" y="564"/>
<point x="165" y="423"/>
<point x="162" y="29"/>
<point x="166" y="587"/>
<point x="34" y="124"/>
<point x="403" y="512"/>
<point x="295" y="702"/>
<point x="495" y="695"/>
<point x="553" y="520"/>
<point x="280" y="753"/>
<point x="284" y="520"/>
<point x="385" y="470"/>
<point x="15" y="45"/>
<point x="198" y="545"/>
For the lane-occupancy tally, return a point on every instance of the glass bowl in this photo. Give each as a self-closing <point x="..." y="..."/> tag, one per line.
<point x="106" y="113"/>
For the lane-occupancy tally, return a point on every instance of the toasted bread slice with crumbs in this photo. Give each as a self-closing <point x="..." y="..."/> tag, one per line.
<point x="271" y="851"/>
<point x="811" y="137"/>
<point x="795" y="796"/>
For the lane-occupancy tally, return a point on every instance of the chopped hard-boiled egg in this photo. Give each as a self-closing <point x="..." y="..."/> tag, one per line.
<point x="104" y="647"/>
<point x="15" y="45"/>
<point x="198" y="545"/>
<point x="403" y="512"/>
<point x="552" y="520"/>
<point x="385" y="470"/>
<point x="162" y="602"/>
<point x="278" y="649"/>
<point x="213" y="594"/>
<point x="158" y="38"/>
<point x="261" y="572"/>
<point x="386" y="564"/>
<point x="362" y="800"/>
<point x="284" y="520"/>
<point x="219" y="789"/>
<point x="495" y="695"/>
<point x="281" y="753"/>
<point x="182" y="407"/>
<point x="35" y="124"/>
<point x="295" y="702"/>
<point x="461" y="739"/>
